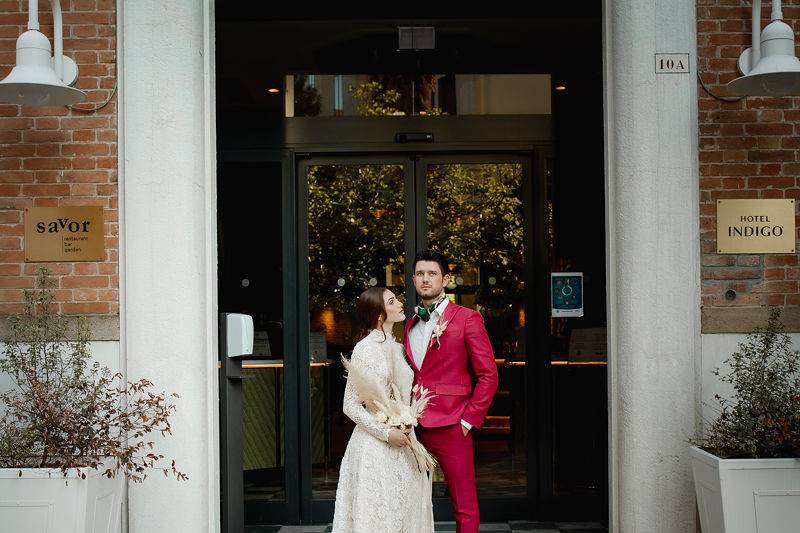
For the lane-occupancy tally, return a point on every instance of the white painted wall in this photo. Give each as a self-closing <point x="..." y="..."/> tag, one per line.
<point x="653" y="264"/>
<point x="168" y="246"/>
<point x="104" y="352"/>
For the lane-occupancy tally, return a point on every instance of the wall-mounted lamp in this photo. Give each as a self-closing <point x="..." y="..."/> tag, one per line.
<point x="770" y="67"/>
<point x="39" y="79"/>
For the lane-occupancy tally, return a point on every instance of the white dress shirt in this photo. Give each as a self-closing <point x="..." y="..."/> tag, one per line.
<point x="419" y="337"/>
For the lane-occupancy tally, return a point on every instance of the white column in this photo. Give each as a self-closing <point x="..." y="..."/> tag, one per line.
<point x="168" y="246"/>
<point x="653" y="261"/>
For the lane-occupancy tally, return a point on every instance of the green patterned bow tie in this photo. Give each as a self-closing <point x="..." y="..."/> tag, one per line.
<point x="425" y="312"/>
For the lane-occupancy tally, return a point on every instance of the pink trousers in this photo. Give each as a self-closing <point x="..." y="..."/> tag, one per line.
<point x="454" y="452"/>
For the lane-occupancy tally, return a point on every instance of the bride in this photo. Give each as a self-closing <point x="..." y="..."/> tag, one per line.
<point x="381" y="487"/>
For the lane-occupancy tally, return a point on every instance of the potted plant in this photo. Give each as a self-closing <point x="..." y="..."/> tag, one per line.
<point x="70" y="432"/>
<point x="747" y="465"/>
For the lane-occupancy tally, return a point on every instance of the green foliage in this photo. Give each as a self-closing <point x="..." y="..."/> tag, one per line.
<point x="355" y="215"/>
<point x="475" y="216"/>
<point x="374" y="100"/>
<point x="355" y="224"/>
<point x="762" y="418"/>
<point x="61" y="413"/>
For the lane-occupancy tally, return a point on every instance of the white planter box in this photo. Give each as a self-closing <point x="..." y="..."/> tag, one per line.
<point x="42" y="500"/>
<point x="746" y="495"/>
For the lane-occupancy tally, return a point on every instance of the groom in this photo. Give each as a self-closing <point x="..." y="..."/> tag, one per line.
<point x="449" y="350"/>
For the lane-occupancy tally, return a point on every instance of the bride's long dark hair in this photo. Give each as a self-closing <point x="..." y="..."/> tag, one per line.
<point x="370" y="309"/>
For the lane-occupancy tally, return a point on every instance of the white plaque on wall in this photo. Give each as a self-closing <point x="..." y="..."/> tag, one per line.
<point x="672" y="63"/>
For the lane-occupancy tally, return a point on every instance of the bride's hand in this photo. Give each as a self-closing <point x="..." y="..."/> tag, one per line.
<point x="398" y="439"/>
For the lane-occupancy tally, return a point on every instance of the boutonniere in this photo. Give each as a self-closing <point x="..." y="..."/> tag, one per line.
<point x="438" y="329"/>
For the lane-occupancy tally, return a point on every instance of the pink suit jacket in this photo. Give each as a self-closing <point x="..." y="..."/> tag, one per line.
<point x="464" y="355"/>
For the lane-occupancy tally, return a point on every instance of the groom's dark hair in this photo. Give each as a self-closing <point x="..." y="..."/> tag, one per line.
<point x="431" y="255"/>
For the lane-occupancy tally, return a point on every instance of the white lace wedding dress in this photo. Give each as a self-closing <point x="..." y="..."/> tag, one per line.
<point x="381" y="489"/>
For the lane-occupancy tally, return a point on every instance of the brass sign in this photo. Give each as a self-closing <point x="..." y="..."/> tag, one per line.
<point x="756" y="226"/>
<point x="64" y="234"/>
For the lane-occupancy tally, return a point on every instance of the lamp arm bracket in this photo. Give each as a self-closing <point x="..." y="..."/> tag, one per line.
<point x="755" y="51"/>
<point x="777" y="13"/>
<point x="58" y="31"/>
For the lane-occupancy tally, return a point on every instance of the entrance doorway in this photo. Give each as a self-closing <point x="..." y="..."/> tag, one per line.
<point x="334" y="220"/>
<point x="363" y="218"/>
<point x="318" y="202"/>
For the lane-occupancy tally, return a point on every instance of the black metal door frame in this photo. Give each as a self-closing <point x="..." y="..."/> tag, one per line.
<point x="285" y="511"/>
<point x="533" y="192"/>
<point x="414" y="164"/>
<point x="312" y="511"/>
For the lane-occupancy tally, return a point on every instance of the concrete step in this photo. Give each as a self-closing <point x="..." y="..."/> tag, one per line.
<point x="513" y="527"/>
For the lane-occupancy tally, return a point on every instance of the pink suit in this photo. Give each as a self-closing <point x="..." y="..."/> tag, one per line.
<point x="463" y="355"/>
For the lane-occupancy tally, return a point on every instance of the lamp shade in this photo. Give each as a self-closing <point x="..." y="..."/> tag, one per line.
<point x="33" y="81"/>
<point x="777" y="71"/>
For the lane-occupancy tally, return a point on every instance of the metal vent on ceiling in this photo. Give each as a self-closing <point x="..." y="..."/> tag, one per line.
<point x="416" y="37"/>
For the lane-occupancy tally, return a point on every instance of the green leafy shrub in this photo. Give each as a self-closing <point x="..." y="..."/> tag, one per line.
<point x="762" y="417"/>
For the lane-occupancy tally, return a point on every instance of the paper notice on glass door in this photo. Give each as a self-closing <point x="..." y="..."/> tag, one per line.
<point x="566" y="289"/>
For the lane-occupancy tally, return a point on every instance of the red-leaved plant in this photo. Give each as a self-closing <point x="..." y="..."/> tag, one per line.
<point x="62" y="413"/>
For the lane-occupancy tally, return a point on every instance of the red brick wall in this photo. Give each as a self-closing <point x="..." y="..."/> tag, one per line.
<point x="53" y="156"/>
<point x="748" y="149"/>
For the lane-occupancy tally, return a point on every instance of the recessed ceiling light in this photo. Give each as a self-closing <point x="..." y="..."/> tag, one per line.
<point x="561" y="87"/>
<point x="273" y="90"/>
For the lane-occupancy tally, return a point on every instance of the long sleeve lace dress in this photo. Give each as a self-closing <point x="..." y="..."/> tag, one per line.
<point x="380" y="489"/>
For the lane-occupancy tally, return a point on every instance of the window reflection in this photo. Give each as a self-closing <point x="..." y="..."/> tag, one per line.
<point x="355" y="240"/>
<point x="475" y="215"/>
<point x="315" y="95"/>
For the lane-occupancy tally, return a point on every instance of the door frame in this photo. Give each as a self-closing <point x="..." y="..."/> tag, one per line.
<point x="286" y="511"/>
<point x="321" y="511"/>
<point x="365" y="138"/>
<point x="313" y="511"/>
